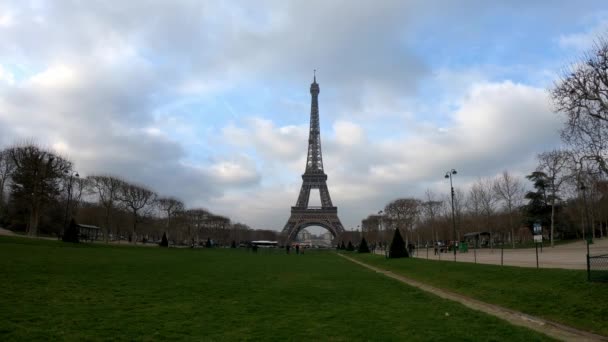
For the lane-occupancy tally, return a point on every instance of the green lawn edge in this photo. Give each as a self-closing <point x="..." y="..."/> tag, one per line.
<point x="560" y="295"/>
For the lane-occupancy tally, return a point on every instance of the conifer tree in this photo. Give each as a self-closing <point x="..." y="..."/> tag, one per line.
<point x="350" y="247"/>
<point x="342" y="246"/>
<point x="233" y="244"/>
<point x="208" y="243"/>
<point x="164" y="242"/>
<point x="363" y="248"/>
<point x="398" y="249"/>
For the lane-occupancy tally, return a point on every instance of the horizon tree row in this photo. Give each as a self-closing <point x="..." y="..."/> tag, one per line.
<point x="40" y="192"/>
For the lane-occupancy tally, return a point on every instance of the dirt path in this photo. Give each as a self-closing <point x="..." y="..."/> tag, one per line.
<point x="6" y="232"/>
<point x="552" y="329"/>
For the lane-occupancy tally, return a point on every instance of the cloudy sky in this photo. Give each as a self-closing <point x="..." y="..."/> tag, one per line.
<point x="209" y="101"/>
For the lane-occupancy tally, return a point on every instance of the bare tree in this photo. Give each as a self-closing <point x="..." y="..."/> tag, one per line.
<point x="73" y="188"/>
<point x="404" y="212"/>
<point x="6" y="170"/>
<point x="108" y="189"/>
<point x="554" y="164"/>
<point x="511" y="192"/>
<point x="485" y="202"/>
<point x="135" y="198"/>
<point x="431" y="207"/>
<point x="170" y="206"/>
<point x="36" y="179"/>
<point x="582" y="95"/>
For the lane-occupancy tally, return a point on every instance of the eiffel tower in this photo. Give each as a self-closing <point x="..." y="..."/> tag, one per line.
<point x="303" y="215"/>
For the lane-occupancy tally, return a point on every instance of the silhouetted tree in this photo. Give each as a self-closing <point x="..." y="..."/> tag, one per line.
<point x="208" y="243"/>
<point x="164" y="242"/>
<point x="363" y="248"/>
<point x="233" y="244"/>
<point x="135" y="198"/>
<point x="350" y="247"/>
<point x="510" y="191"/>
<point x="108" y="190"/>
<point x="342" y="246"/>
<point x="581" y="95"/>
<point x="398" y="249"/>
<point x="6" y="170"/>
<point x="36" y="179"/>
<point x="72" y="233"/>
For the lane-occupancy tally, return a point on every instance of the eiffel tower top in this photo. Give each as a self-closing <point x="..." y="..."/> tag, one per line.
<point x="314" y="161"/>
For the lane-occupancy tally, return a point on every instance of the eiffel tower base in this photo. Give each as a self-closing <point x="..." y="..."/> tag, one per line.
<point x="302" y="217"/>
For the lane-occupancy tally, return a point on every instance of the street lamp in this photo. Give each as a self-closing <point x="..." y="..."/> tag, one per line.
<point x="71" y="175"/>
<point x="449" y="174"/>
<point x="383" y="233"/>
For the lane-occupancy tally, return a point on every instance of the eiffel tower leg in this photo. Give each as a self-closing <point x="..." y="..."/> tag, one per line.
<point x="324" y="192"/>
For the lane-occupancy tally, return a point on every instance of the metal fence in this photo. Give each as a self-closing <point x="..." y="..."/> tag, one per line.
<point x="597" y="268"/>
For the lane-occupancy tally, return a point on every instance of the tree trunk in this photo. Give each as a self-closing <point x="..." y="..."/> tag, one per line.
<point x="33" y="221"/>
<point x="552" y="218"/>
<point x="133" y="236"/>
<point x="512" y="229"/>
<point x="107" y="227"/>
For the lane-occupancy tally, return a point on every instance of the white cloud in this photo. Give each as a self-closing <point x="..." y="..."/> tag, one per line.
<point x="6" y="76"/>
<point x="583" y="41"/>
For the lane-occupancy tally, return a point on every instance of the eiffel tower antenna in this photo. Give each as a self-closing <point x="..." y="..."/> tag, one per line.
<point x="314" y="177"/>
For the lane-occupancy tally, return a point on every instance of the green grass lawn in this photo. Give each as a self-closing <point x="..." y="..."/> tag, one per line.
<point x="56" y="291"/>
<point x="561" y="295"/>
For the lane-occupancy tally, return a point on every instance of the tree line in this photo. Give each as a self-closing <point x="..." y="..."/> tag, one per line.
<point x="567" y="193"/>
<point x="40" y="192"/>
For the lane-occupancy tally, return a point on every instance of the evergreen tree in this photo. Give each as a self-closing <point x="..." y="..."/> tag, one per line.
<point x="233" y="244"/>
<point x="538" y="208"/>
<point x="398" y="249"/>
<point x="208" y="243"/>
<point x="164" y="242"/>
<point x="363" y="248"/>
<point x="342" y="246"/>
<point x="71" y="233"/>
<point x="350" y="247"/>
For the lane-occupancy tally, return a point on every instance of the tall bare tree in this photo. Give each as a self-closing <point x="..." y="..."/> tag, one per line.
<point x="431" y="208"/>
<point x="108" y="189"/>
<point x="485" y="202"/>
<point x="6" y="170"/>
<point x="555" y="165"/>
<point x="511" y="192"/>
<point x="404" y="212"/>
<point x="582" y="95"/>
<point x="170" y="205"/>
<point x="36" y="179"/>
<point x="135" y="198"/>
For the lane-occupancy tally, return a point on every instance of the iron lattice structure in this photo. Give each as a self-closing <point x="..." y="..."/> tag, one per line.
<point x="303" y="215"/>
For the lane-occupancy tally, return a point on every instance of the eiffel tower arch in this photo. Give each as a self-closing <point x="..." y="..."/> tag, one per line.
<point x="314" y="177"/>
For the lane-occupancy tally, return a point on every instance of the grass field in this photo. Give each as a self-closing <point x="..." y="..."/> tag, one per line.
<point x="56" y="291"/>
<point x="561" y="295"/>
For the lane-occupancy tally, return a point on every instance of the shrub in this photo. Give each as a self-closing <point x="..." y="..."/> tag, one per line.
<point x="71" y="233"/>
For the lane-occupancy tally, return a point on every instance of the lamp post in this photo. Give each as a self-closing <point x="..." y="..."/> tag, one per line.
<point x="71" y="175"/>
<point x="449" y="174"/>
<point x="383" y="233"/>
